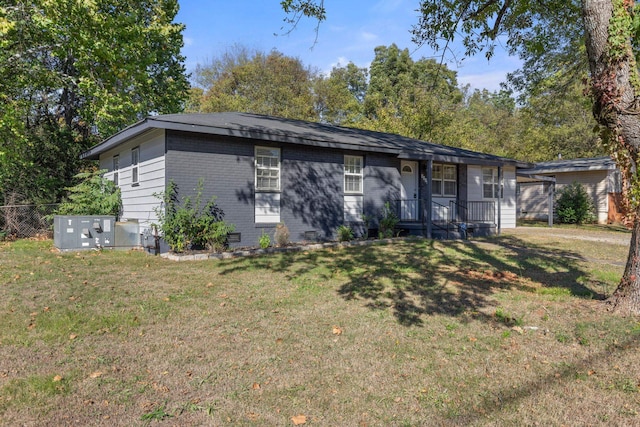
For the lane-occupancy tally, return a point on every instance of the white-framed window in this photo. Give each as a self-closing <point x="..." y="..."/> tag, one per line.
<point x="135" y="159"/>
<point x="444" y="180"/>
<point x="267" y="169"/>
<point x="490" y="183"/>
<point x="353" y="175"/>
<point x="115" y="167"/>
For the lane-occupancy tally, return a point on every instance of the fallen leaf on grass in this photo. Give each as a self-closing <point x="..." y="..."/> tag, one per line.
<point x="299" y="420"/>
<point x="73" y="336"/>
<point x="255" y="386"/>
<point x="96" y="374"/>
<point x="337" y="330"/>
<point x="57" y="379"/>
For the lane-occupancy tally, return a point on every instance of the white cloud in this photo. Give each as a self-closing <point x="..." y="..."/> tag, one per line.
<point x="367" y="36"/>
<point x="188" y="41"/>
<point x="490" y="80"/>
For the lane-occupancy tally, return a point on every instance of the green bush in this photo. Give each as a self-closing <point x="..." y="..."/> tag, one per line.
<point x="573" y="205"/>
<point x="93" y="195"/>
<point x="345" y="233"/>
<point x="189" y="225"/>
<point x="264" y="240"/>
<point x="388" y="221"/>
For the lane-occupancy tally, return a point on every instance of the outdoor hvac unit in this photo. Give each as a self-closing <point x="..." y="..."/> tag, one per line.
<point x="83" y="232"/>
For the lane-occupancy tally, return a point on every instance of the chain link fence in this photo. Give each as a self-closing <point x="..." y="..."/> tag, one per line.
<point x="24" y="221"/>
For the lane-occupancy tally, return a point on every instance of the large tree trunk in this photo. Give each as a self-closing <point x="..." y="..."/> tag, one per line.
<point x="616" y="108"/>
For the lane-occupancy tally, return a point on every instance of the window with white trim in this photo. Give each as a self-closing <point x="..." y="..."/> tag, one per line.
<point x="135" y="159"/>
<point x="267" y="169"/>
<point x="490" y="183"/>
<point x="444" y="180"/>
<point x="115" y="167"/>
<point x="353" y="176"/>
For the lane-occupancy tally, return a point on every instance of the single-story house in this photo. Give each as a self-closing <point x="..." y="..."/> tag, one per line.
<point x="599" y="176"/>
<point x="312" y="177"/>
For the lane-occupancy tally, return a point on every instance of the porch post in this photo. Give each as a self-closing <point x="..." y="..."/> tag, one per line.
<point x="427" y="208"/>
<point x="550" y="192"/>
<point x="500" y="194"/>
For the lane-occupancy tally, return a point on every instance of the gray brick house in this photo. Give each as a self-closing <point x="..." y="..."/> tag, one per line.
<point x="311" y="176"/>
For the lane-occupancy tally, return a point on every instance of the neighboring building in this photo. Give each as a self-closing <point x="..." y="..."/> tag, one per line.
<point x="599" y="176"/>
<point x="311" y="176"/>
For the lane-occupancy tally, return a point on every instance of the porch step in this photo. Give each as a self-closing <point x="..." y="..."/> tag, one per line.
<point x="447" y="231"/>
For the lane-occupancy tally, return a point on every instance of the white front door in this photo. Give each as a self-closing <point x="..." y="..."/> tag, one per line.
<point x="409" y="190"/>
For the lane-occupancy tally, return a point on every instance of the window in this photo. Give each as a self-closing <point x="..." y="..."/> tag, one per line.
<point x="444" y="180"/>
<point x="135" y="158"/>
<point x="436" y="180"/>
<point x="449" y="183"/>
<point x="353" y="174"/>
<point x="490" y="184"/>
<point x="116" y="166"/>
<point x="267" y="169"/>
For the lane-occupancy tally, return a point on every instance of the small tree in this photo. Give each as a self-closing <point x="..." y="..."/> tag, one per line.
<point x="388" y="221"/>
<point x="282" y="235"/>
<point x="573" y="205"/>
<point x="93" y="195"/>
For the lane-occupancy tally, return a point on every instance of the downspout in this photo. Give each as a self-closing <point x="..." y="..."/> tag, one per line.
<point x="427" y="207"/>
<point x="500" y="194"/>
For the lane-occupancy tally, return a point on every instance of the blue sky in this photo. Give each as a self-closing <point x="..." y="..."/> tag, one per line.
<point x="351" y="32"/>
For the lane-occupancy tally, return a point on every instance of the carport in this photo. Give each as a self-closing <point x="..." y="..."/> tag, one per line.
<point x="541" y="179"/>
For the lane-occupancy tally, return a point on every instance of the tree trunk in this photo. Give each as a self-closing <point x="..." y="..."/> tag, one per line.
<point x="616" y="108"/>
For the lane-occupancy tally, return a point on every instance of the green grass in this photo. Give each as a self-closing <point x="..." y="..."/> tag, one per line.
<point x="501" y="331"/>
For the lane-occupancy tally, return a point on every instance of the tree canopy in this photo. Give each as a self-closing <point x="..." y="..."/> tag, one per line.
<point x="417" y="98"/>
<point x="72" y="72"/>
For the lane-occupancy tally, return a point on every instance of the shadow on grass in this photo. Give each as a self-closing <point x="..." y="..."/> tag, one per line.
<point x="419" y="278"/>
<point x="505" y="398"/>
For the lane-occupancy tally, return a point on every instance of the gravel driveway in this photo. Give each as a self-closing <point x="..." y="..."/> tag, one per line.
<point x="612" y="237"/>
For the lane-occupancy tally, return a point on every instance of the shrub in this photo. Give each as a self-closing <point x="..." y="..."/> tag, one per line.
<point x="388" y="221"/>
<point x="281" y="235"/>
<point x="188" y="225"/>
<point x="93" y="195"/>
<point x="367" y="223"/>
<point x="264" y="240"/>
<point x="345" y="233"/>
<point x="573" y="205"/>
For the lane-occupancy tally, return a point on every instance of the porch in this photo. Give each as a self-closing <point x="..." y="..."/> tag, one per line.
<point x="455" y="220"/>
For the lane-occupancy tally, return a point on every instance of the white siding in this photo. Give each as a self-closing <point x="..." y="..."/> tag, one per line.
<point x="440" y="208"/>
<point x="138" y="200"/>
<point x="533" y="198"/>
<point x="508" y="206"/>
<point x="507" y="203"/>
<point x="267" y="209"/>
<point x="353" y="208"/>
<point x="596" y="185"/>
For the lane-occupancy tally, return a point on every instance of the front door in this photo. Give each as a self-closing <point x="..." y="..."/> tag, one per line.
<point x="409" y="191"/>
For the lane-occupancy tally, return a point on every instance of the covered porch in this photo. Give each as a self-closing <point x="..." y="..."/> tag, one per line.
<point x="436" y="200"/>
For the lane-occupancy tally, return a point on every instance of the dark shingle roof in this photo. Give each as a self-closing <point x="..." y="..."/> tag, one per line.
<point x="572" y="165"/>
<point x="275" y="129"/>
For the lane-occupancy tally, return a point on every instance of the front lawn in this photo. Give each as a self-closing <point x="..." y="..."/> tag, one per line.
<point x="502" y="331"/>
